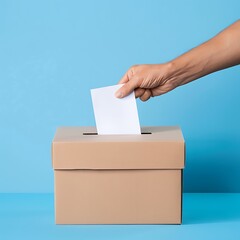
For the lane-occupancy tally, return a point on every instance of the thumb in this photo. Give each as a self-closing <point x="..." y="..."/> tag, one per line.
<point x="126" y="89"/>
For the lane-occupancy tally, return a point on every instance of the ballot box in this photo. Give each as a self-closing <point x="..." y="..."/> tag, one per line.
<point x="118" y="179"/>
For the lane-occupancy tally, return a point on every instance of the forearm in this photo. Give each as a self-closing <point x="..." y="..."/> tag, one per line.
<point x="220" y="52"/>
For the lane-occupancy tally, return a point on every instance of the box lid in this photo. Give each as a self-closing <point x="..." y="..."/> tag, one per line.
<point x="82" y="148"/>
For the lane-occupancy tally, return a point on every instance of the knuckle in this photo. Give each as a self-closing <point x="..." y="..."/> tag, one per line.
<point x="135" y="66"/>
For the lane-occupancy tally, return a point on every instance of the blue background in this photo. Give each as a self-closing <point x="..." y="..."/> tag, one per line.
<point x="53" y="52"/>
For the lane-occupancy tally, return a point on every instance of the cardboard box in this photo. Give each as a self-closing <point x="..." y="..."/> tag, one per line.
<point x="118" y="179"/>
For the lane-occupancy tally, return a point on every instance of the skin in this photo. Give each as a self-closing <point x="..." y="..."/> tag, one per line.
<point x="150" y="80"/>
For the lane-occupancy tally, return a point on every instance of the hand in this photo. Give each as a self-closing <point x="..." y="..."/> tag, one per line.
<point x="147" y="81"/>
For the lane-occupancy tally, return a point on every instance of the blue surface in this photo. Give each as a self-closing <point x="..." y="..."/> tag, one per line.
<point x="205" y="216"/>
<point x="53" y="52"/>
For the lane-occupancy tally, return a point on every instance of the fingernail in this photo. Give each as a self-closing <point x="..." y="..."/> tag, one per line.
<point x="118" y="94"/>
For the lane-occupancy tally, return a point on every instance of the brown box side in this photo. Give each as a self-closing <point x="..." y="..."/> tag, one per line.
<point x="118" y="196"/>
<point x="163" y="149"/>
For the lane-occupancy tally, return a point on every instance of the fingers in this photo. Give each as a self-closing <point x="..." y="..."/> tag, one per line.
<point x="139" y="92"/>
<point x="143" y="94"/>
<point x="146" y="95"/>
<point x="126" y="89"/>
<point x="131" y="83"/>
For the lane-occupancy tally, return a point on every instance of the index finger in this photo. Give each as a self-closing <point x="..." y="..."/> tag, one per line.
<point x="126" y="89"/>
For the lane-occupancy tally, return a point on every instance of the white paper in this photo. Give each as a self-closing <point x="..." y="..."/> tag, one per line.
<point x="114" y="115"/>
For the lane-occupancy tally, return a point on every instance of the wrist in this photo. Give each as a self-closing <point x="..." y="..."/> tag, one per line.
<point x="175" y="73"/>
<point x="183" y="70"/>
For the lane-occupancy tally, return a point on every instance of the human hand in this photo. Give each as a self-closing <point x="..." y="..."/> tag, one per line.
<point x="147" y="81"/>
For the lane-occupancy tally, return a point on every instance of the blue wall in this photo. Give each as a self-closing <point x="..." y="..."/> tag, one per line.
<point x="53" y="52"/>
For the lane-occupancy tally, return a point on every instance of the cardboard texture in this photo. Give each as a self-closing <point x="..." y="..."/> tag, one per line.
<point x="118" y="179"/>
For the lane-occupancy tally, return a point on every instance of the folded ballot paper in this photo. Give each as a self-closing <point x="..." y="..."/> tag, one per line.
<point x="114" y="115"/>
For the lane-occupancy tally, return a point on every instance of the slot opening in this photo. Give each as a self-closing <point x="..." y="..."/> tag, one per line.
<point x="94" y="133"/>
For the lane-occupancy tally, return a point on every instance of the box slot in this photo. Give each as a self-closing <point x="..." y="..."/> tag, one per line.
<point x="94" y="133"/>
